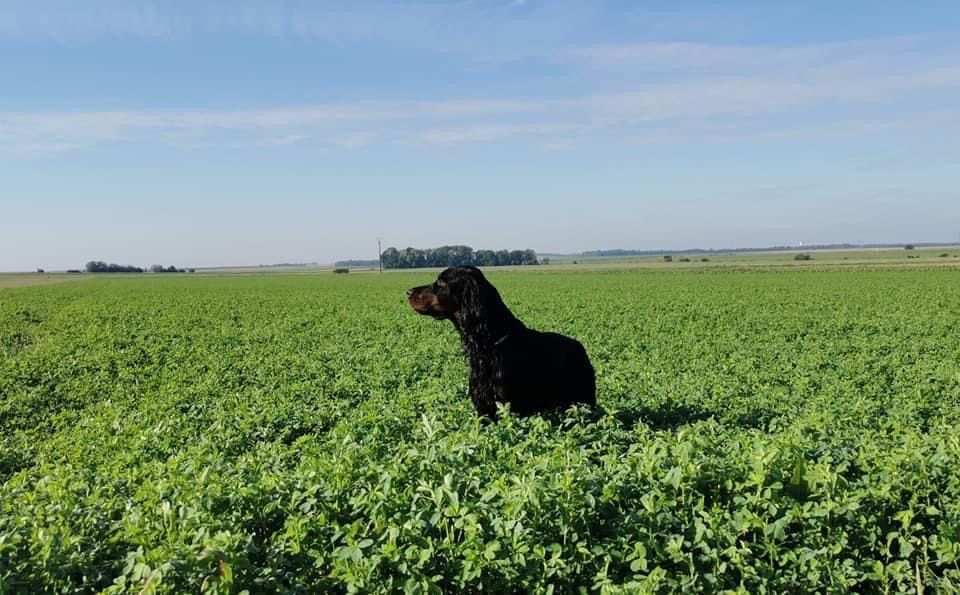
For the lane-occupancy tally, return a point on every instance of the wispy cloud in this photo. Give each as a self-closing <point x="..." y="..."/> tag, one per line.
<point x="709" y="83"/>
<point x="279" y="141"/>
<point x="66" y="21"/>
<point x="559" y="144"/>
<point x="38" y="148"/>
<point x="355" y="140"/>
<point x="679" y="57"/>
<point x="713" y="131"/>
<point x="491" y="132"/>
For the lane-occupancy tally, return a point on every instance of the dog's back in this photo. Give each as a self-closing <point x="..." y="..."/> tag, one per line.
<point x="543" y="371"/>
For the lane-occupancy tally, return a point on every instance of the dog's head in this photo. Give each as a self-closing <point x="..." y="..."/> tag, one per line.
<point x="457" y="294"/>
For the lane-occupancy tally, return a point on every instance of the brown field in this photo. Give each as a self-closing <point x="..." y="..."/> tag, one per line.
<point x="8" y="280"/>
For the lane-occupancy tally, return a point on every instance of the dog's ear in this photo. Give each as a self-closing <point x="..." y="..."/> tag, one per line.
<point x="472" y="310"/>
<point x="479" y="300"/>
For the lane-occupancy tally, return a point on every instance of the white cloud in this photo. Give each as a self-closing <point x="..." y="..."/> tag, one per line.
<point x="355" y="140"/>
<point x="559" y="144"/>
<point x="682" y="56"/>
<point x="69" y="22"/>
<point x="38" y="148"/>
<point x="488" y="133"/>
<point x="279" y="141"/>
<point x="712" y="83"/>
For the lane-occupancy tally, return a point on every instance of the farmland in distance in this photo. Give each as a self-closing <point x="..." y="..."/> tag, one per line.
<point x="779" y="429"/>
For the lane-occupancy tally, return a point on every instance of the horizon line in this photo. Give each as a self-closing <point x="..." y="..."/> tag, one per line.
<point x="588" y="253"/>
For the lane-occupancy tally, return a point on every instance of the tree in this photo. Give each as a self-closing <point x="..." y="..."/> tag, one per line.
<point x="409" y="258"/>
<point x="485" y="258"/>
<point x="460" y="255"/>
<point x="98" y="266"/>
<point x="391" y="258"/>
<point x="451" y="256"/>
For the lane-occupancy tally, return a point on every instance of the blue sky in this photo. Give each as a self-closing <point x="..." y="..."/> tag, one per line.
<point x="222" y="133"/>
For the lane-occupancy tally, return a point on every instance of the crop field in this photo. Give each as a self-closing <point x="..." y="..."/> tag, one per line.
<point x="947" y="256"/>
<point x="775" y="430"/>
<point x="8" y="280"/>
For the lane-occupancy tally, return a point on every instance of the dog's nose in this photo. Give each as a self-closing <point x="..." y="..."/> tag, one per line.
<point x="409" y="292"/>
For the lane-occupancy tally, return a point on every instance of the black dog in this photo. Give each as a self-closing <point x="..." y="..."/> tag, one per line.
<point x="509" y="363"/>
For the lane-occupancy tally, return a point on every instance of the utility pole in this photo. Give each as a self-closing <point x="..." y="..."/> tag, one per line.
<point x="380" y="254"/>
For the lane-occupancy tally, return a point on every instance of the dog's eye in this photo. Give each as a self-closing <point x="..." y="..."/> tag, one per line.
<point x="440" y="283"/>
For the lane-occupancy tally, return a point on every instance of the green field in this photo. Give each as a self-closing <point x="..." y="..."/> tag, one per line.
<point x="948" y="255"/>
<point x="772" y="429"/>
<point x="8" y="280"/>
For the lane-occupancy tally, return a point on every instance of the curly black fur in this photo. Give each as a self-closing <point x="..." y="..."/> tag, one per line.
<point x="509" y="363"/>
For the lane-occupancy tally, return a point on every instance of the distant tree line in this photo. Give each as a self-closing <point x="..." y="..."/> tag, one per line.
<point x="98" y="266"/>
<point x="451" y="256"/>
<point x="288" y="264"/>
<point x="159" y="268"/>
<point x="621" y="252"/>
<point x="355" y="263"/>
